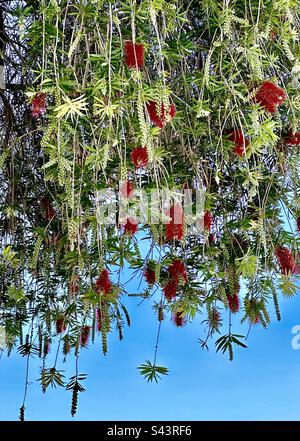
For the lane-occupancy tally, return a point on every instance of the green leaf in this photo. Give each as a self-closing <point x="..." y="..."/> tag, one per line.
<point x="51" y="377"/>
<point x="287" y="286"/>
<point x="16" y="294"/>
<point x="247" y="265"/>
<point x="152" y="372"/>
<point x="71" y="108"/>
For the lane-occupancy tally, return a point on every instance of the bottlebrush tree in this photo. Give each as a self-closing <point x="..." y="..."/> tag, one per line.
<point x="152" y="94"/>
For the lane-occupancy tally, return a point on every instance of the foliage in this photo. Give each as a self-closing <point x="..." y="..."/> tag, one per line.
<point x="152" y="372"/>
<point x="73" y="114"/>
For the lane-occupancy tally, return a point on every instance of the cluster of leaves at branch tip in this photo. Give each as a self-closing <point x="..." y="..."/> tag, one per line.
<point x="161" y="95"/>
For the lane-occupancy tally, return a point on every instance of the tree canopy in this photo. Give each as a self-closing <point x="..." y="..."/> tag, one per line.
<point x="148" y="95"/>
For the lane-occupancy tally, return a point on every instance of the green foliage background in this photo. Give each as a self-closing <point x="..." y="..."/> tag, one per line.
<point x="207" y="57"/>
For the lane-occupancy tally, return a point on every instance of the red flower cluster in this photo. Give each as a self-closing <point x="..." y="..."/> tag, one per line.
<point x="177" y="273"/>
<point x="233" y="303"/>
<point x="60" y="325"/>
<point x="179" y="319"/>
<point x="215" y="316"/>
<point x="286" y="260"/>
<point x="160" y="118"/>
<point x="149" y="275"/>
<point x="293" y="139"/>
<point x="170" y="290"/>
<point x="174" y="229"/>
<point x="131" y="226"/>
<point x="208" y="220"/>
<point x="50" y="213"/>
<point x="103" y="283"/>
<point x="126" y="189"/>
<point x="134" y="54"/>
<point x="139" y="157"/>
<point x="84" y="336"/>
<point x="270" y="96"/>
<point x="38" y="105"/>
<point x="298" y="223"/>
<point x="239" y="140"/>
<point x="211" y="239"/>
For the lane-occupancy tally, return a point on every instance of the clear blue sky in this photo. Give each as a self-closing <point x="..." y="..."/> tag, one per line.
<point x="263" y="382"/>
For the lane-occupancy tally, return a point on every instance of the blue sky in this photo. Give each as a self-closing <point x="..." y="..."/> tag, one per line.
<point x="263" y="382"/>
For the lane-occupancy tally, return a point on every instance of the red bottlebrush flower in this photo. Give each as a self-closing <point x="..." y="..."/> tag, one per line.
<point x="214" y="318"/>
<point x="139" y="157"/>
<point x="298" y="223"/>
<point x="150" y="275"/>
<point x="208" y="220"/>
<point x="177" y="271"/>
<point x="170" y="290"/>
<point x="84" y="336"/>
<point x="233" y="303"/>
<point x="126" y="189"/>
<point x="293" y="139"/>
<point x="131" y="226"/>
<point x="179" y="319"/>
<point x="215" y="315"/>
<point x="211" y="239"/>
<point x="103" y="283"/>
<point x="134" y="54"/>
<point x="286" y="260"/>
<point x="50" y="213"/>
<point x="160" y="118"/>
<point x="175" y="227"/>
<point x="60" y="325"/>
<point x="172" y="110"/>
<point x="239" y="140"/>
<point x="38" y="105"/>
<point x="270" y="96"/>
